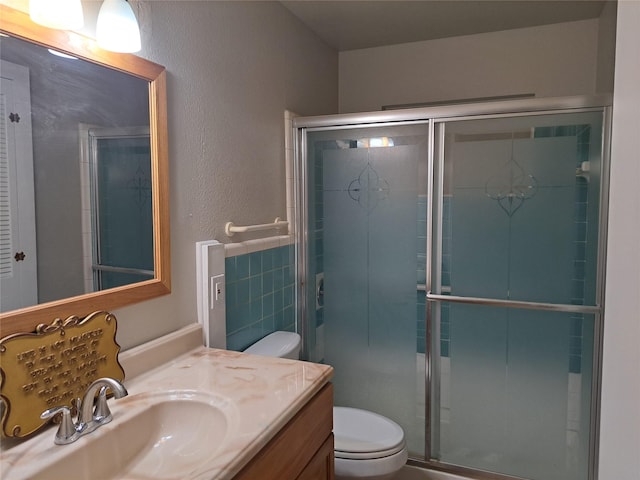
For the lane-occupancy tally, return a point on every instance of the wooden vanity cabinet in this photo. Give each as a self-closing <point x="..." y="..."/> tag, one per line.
<point x="303" y="449"/>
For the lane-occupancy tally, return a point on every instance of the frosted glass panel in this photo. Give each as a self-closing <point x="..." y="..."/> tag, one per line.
<point x="525" y="249"/>
<point x="370" y="279"/>
<point x="519" y="214"/>
<point x="365" y="213"/>
<point x="512" y="404"/>
<point x="124" y="218"/>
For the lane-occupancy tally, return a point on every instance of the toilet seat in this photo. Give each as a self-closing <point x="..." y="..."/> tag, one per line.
<point x="367" y="455"/>
<point x="361" y="434"/>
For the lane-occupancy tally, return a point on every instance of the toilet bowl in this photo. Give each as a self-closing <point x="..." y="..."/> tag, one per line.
<point x="367" y="446"/>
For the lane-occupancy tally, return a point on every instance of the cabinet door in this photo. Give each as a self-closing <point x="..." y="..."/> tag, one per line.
<point x="297" y="445"/>
<point x="321" y="465"/>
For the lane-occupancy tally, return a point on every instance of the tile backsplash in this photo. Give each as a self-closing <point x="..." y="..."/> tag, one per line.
<point x="259" y="292"/>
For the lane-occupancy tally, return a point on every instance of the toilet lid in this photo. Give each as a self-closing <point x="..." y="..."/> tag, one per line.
<point x="363" y="434"/>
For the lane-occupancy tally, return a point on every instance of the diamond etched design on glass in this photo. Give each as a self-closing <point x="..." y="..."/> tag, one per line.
<point x="140" y="185"/>
<point x="512" y="186"/>
<point x="369" y="189"/>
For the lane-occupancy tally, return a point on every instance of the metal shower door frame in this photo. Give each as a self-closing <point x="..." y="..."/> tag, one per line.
<point x="436" y="118"/>
<point x="436" y="169"/>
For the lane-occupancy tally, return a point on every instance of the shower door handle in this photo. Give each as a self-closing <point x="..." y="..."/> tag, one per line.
<point x="552" y="307"/>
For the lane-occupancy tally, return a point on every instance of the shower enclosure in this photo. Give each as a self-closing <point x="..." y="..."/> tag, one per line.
<point x="121" y="210"/>
<point x="450" y="266"/>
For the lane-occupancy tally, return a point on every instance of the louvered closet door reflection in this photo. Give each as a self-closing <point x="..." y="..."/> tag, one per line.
<point x="18" y="256"/>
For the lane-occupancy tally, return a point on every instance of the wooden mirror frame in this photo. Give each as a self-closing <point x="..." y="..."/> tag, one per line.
<point x="18" y="24"/>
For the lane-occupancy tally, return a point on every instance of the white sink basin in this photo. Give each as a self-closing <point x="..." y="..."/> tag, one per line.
<point x="165" y="435"/>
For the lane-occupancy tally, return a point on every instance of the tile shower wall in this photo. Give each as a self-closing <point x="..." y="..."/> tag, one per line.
<point x="259" y="295"/>
<point x="582" y="134"/>
<point x="581" y="205"/>
<point x="573" y="353"/>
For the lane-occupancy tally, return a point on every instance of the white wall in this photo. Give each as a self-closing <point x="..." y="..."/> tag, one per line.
<point x="606" y="48"/>
<point x="551" y="60"/>
<point x="620" y="419"/>
<point x="233" y="68"/>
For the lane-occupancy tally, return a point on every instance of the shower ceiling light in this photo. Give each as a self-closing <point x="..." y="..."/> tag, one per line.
<point x="59" y="14"/>
<point x="117" y="29"/>
<point x="375" y="142"/>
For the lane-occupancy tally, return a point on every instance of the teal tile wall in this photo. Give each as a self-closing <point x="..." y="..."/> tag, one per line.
<point x="259" y="295"/>
<point x="582" y="134"/>
<point x="581" y="206"/>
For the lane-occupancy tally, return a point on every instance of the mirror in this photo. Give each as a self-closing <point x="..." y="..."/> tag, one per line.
<point x="126" y="113"/>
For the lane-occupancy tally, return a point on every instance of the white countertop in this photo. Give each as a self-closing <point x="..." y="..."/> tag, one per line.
<point x="259" y="394"/>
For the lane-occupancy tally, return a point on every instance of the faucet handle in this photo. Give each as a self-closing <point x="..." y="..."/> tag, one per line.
<point x="67" y="432"/>
<point x="102" y="413"/>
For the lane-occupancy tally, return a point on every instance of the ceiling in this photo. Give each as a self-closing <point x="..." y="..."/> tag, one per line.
<point x="350" y="25"/>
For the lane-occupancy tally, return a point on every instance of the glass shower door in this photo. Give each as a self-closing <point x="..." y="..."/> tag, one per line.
<point x="122" y="212"/>
<point x="366" y="188"/>
<point x="513" y="295"/>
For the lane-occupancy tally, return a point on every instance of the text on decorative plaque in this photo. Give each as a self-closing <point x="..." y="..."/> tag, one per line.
<point x="54" y="366"/>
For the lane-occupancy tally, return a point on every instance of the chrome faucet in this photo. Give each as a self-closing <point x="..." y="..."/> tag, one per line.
<point x="89" y="418"/>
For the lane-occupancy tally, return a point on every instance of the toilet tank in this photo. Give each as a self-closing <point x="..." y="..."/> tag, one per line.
<point x="277" y="344"/>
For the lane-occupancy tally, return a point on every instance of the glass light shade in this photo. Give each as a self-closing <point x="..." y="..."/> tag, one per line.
<point x="60" y="14"/>
<point x="117" y="28"/>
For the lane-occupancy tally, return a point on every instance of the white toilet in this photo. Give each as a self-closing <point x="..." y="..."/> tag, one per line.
<point x="367" y="446"/>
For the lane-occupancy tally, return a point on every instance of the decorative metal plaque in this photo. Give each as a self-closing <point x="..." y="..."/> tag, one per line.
<point x="54" y="367"/>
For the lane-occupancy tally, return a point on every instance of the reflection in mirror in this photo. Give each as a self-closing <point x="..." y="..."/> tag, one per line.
<point x="84" y="170"/>
<point x="64" y="94"/>
<point x="119" y="245"/>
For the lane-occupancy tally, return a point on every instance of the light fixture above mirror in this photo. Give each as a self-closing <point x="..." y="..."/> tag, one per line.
<point x="117" y="28"/>
<point x="58" y="14"/>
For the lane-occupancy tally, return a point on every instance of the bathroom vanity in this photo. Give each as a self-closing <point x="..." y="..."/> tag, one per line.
<point x="302" y="450"/>
<point x="197" y="413"/>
